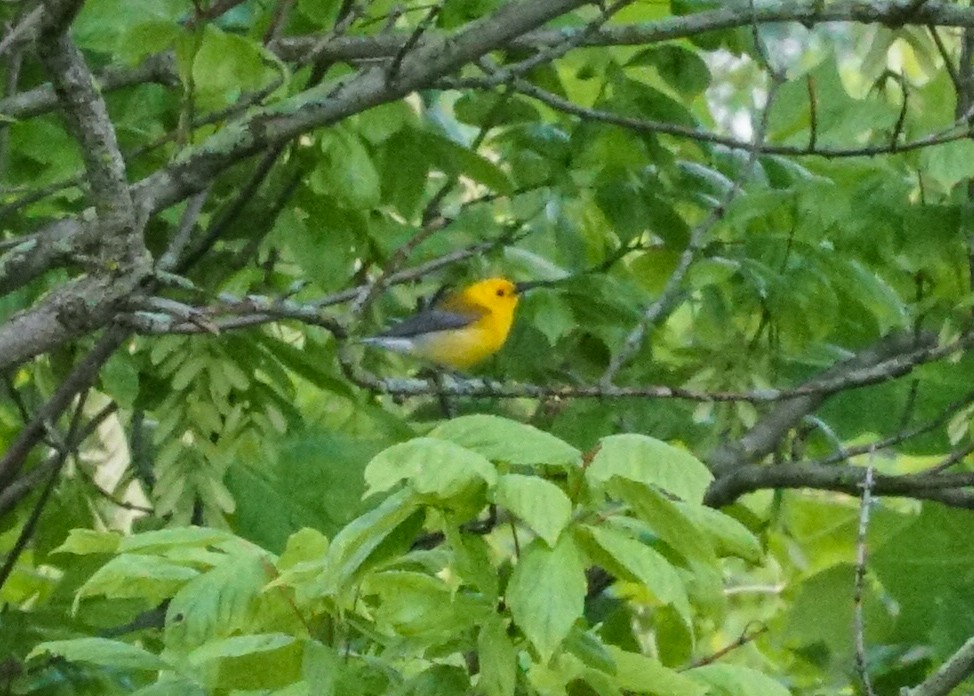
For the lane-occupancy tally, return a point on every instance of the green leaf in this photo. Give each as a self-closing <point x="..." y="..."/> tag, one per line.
<point x="321" y="12"/>
<point x="84" y="541"/>
<point x="322" y="668"/>
<point x="498" y="666"/>
<point x="472" y="560"/>
<point x="667" y="520"/>
<point x="135" y="575"/>
<point x="494" y="109"/>
<point x="101" y="651"/>
<point x="683" y="69"/>
<point x="504" y="440"/>
<point x="729" y="535"/>
<point x="225" y="65"/>
<point x="540" y="504"/>
<point x="238" y="646"/>
<point x="646" y="675"/>
<point x="877" y="296"/>
<point x="347" y="171"/>
<point x="650" y="461"/>
<point x="549" y="314"/>
<point x="394" y="522"/>
<point x="170" y="684"/>
<point x="948" y="163"/>
<point x="432" y="467"/>
<point x="120" y="379"/>
<point x="455" y="159"/>
<point x="632" y="559"/>
<point x="416" y="604"/>
<point x="925" y="562"/>
<point x="164" y="539"/>
<point x="732" y="680"/>
<point x="315" y="480"/>
<point x="588" y="647"/>
<point x="216" y="603"/>
<point x="546" y="593"/>
<point x="304" y="545"/>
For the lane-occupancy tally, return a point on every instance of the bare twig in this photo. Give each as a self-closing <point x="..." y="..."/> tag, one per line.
<point x="80" y="378"/>
<point x="51" y="469"/>
<point x="748" y="635"/>
<point x="642" y="125"/>
<point x="859" y="621"/>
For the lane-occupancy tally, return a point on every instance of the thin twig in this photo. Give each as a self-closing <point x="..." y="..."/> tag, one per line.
<point x="80" y="378"/>
<point x="859" y="621"/>
<point x="748" y="635"/>
<point x="672" y="289"/>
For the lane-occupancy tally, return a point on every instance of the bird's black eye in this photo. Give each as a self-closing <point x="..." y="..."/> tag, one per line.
<point x="500" y="292"/>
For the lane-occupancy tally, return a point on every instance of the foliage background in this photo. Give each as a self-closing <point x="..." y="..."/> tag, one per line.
<point x="755" y="221"/>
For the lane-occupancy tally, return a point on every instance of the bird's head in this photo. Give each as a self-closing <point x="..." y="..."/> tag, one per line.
<point x="499" y="294"/>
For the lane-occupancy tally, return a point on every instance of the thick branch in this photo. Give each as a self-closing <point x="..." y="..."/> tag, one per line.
<point x="949" y="675"/>
<point x="87" y="119"/>
<point x="159" y="68"/>
<point x="761" y="440"/>
<point x="433" y="57"/>
<point x="950" y="489"/>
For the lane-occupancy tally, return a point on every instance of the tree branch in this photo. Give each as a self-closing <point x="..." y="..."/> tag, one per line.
<point x="761" y="440"/>
<point x="948" y="489"/>
<point x="949" y="675"/>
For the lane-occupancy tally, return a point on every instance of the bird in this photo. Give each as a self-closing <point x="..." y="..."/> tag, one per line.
<point x="461" y="329"/>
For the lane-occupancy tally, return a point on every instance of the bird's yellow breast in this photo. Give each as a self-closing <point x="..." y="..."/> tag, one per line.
<point x="463" y="348"/>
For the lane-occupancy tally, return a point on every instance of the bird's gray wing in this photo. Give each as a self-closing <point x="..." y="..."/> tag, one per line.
<point x="428" y="321"/>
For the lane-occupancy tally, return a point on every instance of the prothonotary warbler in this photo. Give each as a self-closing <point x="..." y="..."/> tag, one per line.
<point x="460" y="330"/>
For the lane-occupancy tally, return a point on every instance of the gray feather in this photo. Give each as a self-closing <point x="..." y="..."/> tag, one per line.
<point x="428" y="321"/>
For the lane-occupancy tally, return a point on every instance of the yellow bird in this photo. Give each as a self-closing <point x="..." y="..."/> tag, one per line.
<point x="460" y="330"/>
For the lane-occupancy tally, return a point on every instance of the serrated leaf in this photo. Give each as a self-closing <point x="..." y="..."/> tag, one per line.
<point x="683" y="69"/>
<point x="551" y="315"/>
<point x="417" y="604"/>
<point x="161" y="539"/>
<point x="84" y="541"/>
<point x="504" y="440"/>
<point x="643" y="674"/>
<point x="216" y="603"/>
<point x="361" y="538"/>
<point x="498" y="666"/>
<point x="238" y="646"/>
<point x="120" y="379"/>
<point x="632" y="559"/>
<point x="949" y="163"/>
<point x="453" y="158"/>
<point x="650" y="461"/>
<point x="667" y="520"/>
<point x="304" y="545"/>
<point x="732" y="680"/>
<point x="431" y="467"/>
<point x="731" y="536"/>
<point x="347" y="171"/>
<point x="101" y="651"/>
<point x="135" y="575"/>
<point x="540" y="504"/>
<point x="546" y="593"/>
